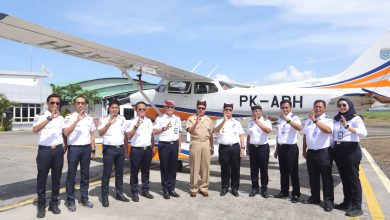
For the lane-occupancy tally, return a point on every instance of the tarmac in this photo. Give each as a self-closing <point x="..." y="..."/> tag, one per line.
<point x="18" y="190"/>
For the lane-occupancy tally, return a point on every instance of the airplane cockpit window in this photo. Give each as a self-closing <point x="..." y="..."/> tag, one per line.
<point x="204" y="87"/>
<point x="226" y="85"/>
<point x="180" y="87"/>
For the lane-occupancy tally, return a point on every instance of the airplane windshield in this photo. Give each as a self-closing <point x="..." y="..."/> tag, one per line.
<point x="162" y="85"/>
<point x="226" y="85"/>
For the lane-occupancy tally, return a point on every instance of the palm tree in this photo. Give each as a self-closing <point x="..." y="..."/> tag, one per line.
<point x="4" y="105"/>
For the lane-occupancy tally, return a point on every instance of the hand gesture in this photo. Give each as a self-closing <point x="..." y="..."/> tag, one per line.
<point x="112" y="120"/>
<point x="198" y="119"/>
<point x="139" y="122"/>
<point x="80" y="116"/>
<point x="312" y="116"/>
<point x="283" y="116"/>
<point x="343" y="121"/>
<point x="54" y="114"/>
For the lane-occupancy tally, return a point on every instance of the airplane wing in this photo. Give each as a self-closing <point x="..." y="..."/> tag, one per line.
<point x="22" y="31"/>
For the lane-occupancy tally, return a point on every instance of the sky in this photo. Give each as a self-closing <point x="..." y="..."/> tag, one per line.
<point x="253" y="42"/>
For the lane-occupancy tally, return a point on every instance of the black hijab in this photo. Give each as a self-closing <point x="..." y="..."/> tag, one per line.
<point x="347" y="115"/>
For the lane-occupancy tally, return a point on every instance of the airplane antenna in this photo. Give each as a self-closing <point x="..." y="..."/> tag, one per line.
<point x="197" y="65"/>
<point x="212" y="71"/>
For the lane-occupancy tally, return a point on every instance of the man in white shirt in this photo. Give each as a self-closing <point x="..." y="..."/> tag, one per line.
<point x="140" y="131"/>
<point x="230" y="137"/>
<point x="50" y="153"/>
<point x="79" y="129"/>
<point x="168" y="127"/>
<point x="113" y="129"/>
<point x="287" y="151"/>
<point x="318" y="153"/>
<point x="258" y="133"/>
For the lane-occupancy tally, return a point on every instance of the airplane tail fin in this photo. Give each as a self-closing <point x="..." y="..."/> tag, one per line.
<point x="370" y="73"/>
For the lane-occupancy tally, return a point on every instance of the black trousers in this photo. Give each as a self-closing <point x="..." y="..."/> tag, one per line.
<point x="288" y="166"/>
<point x="113" y="156"/>
<point x="229" y="158"/>
<point x="168" y="153"/>
<point x="48" y="158"/>
<point x="319" y="164"/>
<point x="78" y="154"/>
<point x="347" y="156"/>
<point x="140" y="158"/>
<point x="259" y="159"/>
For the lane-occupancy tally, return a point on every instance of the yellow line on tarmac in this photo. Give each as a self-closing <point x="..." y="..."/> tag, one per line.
<point x="373" y="204"/>
<point x="18" y="145"/>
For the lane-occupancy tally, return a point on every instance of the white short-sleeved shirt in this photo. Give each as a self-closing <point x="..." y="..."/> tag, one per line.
<point x="344" y="135"/>
<point x="258" y="136"/>
<point x="286" y="133"/>
<point x="173" y="132"/>
<point x="143" y="134"/>
<point x="51" y="134"/>
<point x="81" y="134"/>
<point x="315" y="138"/>
<point x="115" y="134"/>
<point x="230" y="132"/>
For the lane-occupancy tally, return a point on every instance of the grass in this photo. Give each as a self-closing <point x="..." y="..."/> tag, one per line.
<point x="377" y="115"/>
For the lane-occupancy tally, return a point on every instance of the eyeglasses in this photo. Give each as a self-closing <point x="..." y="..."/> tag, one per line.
<point x="57" y="103"/>
<point x="343" y="105"/>
<point x="228" y="109"/>
<point x="201" y="108"/>
<point x="141" y="109"/>
<point x="170" y="106"/>
<point x="80" y="103"/>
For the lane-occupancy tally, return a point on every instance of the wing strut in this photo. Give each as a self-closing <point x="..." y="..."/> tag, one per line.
<point x="127" y="75"/>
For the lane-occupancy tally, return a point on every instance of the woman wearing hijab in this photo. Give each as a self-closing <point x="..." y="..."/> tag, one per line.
<point x="347" y="127"/>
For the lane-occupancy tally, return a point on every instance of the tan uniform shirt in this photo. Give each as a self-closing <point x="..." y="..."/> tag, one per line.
<point x="203" y="130"/>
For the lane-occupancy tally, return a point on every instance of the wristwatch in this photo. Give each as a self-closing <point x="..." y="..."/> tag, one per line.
<point x="93" y="151"/>
<point x="289" y="120"/>
<point x="346" y="127"/>
<point x="49" y="118"/>
<point x="315" y="121"/>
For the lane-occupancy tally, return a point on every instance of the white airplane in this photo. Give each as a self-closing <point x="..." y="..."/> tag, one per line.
<point x="365" y="80"/>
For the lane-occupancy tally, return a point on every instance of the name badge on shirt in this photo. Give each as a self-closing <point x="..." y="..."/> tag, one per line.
<point x="340" y="135"/>
<point x="176" y="130"/>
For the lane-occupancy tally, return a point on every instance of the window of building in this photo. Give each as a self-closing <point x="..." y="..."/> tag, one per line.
<point x="25" y="112"/>
<point x="205" y="87"/>
<point x="179" y="87"/>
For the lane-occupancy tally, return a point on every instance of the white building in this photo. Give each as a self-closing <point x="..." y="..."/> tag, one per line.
<point x="26" y="91"/>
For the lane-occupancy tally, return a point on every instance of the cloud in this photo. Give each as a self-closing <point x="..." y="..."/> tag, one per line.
<point x="291" y="74"/>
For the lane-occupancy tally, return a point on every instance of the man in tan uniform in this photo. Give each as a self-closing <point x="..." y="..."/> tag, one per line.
<point x="200" y="127"/>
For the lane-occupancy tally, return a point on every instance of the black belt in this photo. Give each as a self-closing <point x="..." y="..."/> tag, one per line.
<point x="51" y="147"/>
<point x="168" y="142"/>
<point x="259" y="145"/>
<point x="85" y="145"/>
<point x="228" y="145"/>
<point x="144" y="148"/>
<point x="112" y="146"/>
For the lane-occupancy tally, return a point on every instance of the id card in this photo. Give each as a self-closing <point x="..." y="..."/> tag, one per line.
<point x="340" y="135"/>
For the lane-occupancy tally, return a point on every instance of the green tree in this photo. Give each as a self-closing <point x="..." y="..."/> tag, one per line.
<point x="4" y="105"/>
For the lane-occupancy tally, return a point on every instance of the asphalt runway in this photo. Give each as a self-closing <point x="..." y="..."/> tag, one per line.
<point x="18" y="191"/>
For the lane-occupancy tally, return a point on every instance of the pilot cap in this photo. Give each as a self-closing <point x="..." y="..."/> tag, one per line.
<point x="170" y="102"/>
<point x="201" y="103"/>
<point x="254" y="107"/>
<point x="227" y="105"/>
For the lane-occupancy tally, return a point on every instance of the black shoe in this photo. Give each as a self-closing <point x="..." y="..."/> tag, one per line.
<point x="281" y="196"/>
<point x="166" y="195"/>
<point x="174" y="194"/>
<point x="54" y="208"/>
<point x="343" y="206"/>
<point x="146" y="194"/>
<point x="295" y="199"/>
<point x="87" y="204"/>
<point x="135" y="197"/>
<point x="254" y="192"/>
<point x="354" y="212"/>
<point x="235" y="193"/>
<point x="328" y="206"/>
<point x="71" y="207"/>
<point x="223" y="192"/>
<point x="41" y="212"/>
<point x="264" y="193"/>
<point x="105" y="202"/>
<point x="311" y="200"/>
<point x="121" y="197"/>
